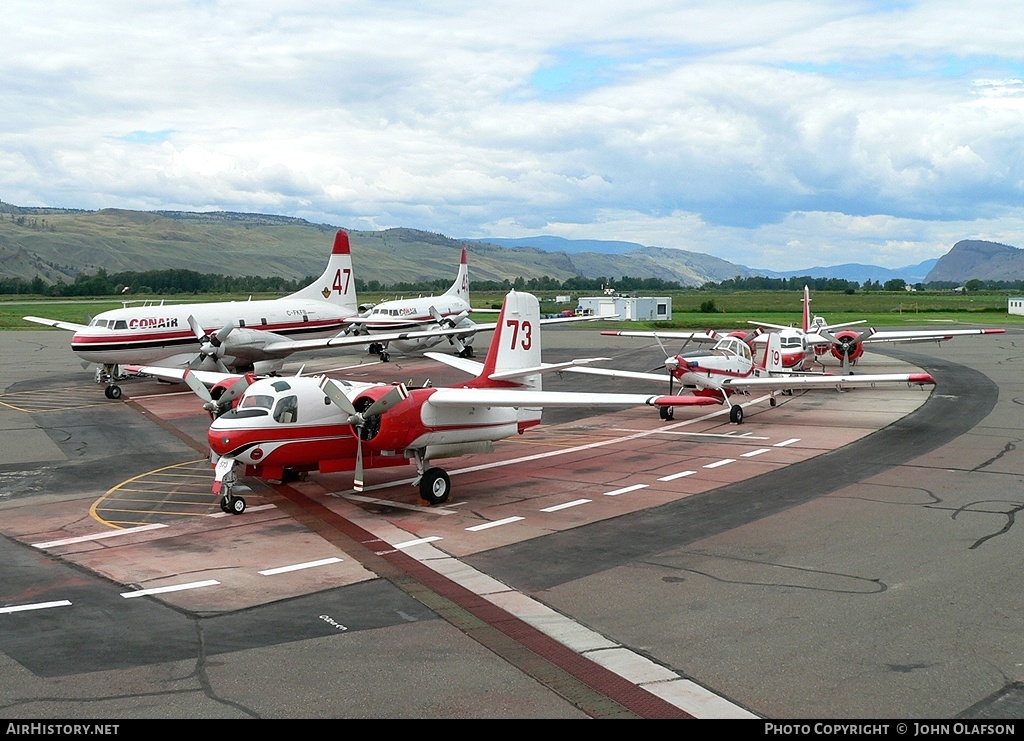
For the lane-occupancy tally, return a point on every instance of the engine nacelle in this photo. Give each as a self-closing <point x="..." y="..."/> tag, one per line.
<point x="396" y="428"/>
<point x="846" y="345"/>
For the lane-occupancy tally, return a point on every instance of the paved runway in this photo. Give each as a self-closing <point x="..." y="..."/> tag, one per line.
<point x="858" y="573"/>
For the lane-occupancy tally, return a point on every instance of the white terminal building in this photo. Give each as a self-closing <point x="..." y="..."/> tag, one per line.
<point x="634" y="309"/>
<point x="1016" y="306"/>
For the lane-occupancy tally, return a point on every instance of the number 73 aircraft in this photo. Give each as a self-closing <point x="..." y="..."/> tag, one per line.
<point x="270" y="427"/>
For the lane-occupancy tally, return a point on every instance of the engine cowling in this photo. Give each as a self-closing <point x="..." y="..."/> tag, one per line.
<point x="396" y="428"/>
<point x="847" y="345"/>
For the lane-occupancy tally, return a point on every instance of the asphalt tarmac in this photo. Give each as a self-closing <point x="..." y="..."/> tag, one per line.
<point x="868" y="572"/>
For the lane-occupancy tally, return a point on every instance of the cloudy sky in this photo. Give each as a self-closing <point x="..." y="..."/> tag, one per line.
<point x="776" y="135"/>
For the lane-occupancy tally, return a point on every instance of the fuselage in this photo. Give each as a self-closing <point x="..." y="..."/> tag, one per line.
<point x="290" y="423"/>
<point x="155" y="333"/>
<point x="707" y="369"/>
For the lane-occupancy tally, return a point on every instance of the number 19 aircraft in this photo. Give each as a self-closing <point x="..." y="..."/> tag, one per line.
<point x="304" y="423"/>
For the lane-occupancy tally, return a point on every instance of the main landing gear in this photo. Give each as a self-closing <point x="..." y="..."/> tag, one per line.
<point x="736" y="414"/>
<point x="435" y="485"/>
<point x="378" y="349"/>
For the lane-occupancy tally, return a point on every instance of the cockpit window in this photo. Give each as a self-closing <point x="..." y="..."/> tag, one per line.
<point x="98" y="323"/>
<point x="281" y="386"/>
<point x="258" y="401"/>
<point x="120" y="324"/>
<point x="287" y="410"/>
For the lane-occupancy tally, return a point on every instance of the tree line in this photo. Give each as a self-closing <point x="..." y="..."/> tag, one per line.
<point x="175" y="281"/>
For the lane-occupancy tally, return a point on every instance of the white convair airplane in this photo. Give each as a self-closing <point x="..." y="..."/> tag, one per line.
<point x="450" y="310"/>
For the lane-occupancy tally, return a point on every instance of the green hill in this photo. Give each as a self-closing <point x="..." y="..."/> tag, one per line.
<point x="59" y="244"/>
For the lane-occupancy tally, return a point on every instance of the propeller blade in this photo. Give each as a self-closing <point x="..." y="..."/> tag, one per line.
<point x="196" y="329"/>
<point x="197" y="387"/>
<point x="234" y="391"/>
<point x="335" y="394"/>
<point x="357" y="481"/>
<point x="218" y="339"/>
<point x="395" y="396"/>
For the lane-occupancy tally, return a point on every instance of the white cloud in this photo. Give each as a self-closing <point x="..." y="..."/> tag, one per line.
<point x="776" y="134"/>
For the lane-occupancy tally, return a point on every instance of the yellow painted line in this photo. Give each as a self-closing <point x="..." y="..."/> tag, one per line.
<point x="98" y="504"/>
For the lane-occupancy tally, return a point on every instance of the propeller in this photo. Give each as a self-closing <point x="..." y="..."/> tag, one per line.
<point x="847" y="344"/>
<point x="210" y="346"/>
<point x="359" y="420"/>
<point x="216" y="407"/>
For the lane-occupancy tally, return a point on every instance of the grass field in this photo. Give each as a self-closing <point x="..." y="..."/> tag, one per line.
<point x="732" y="309"/>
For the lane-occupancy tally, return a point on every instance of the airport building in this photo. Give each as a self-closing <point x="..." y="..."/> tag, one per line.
<point x="1016" y="306"/>
<point x="629" y="308"/>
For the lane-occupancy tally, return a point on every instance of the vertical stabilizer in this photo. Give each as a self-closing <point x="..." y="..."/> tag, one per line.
<point x="807" y="309"/>
<point x="515" y="345"/>
<point x="460" y="288"/>
<point x="337" y="284"/>
<point x="773" y="354"/>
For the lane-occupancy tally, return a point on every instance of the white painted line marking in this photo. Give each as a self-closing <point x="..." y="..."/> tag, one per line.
<point x="98" y="536"/>
<point x="723" y="462"/>
<point x="299" y="566"/>
<point x="624" y="490"/>
<point x="36" y="606"/>
<point x="174" y="588"/>
<point x="674" y="476"/>
<point x="566" y="505"/>
<point x="496" y="523"/>
<point x="716" y="435"/>
<point x="784" y="443"/>
<point x="418" y="541"/>
<point x="752" y="453"/>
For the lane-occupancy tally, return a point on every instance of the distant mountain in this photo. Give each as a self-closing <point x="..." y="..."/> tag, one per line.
<point x="59" y="244"/>
<point x="912" y="274"/>
<point x="568" y="246"/>
<point x="977" y="259"/>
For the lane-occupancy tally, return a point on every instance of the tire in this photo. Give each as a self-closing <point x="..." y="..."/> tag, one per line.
<point x="667" y="413"/>
<point x="113" y="391"/>
<point x="236" y="506"/>
<point x="736" y="415"/>
<point x="435" y="486"/>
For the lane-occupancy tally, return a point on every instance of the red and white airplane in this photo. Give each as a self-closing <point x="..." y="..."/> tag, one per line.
<point x="304" y="423"/>
<point x="227" y="335"/>
<point x="450" y="310"/>
<point x="801" y="347"/>
<point x="257" y="336"/>
<point x="730" y="368"/>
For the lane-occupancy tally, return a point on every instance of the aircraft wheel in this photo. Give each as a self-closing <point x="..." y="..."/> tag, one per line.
<point x="385" y="357"/>
<point x="667" y="413"/>
<point x="374" y="348"/>
<point x="736" y="415"/>
<point x="435" y="486"/>
<point x="232" y="505"/>
<point x="113" y="391"/>
<point x="772" y="401"/>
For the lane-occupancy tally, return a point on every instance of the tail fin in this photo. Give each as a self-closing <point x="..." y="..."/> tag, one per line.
<point x="773" y="354"/>
<point x="515" y="344"/>
<point x="337" y="285"/>
<point x="807" y="309"/>
<point x="460" y="288"/>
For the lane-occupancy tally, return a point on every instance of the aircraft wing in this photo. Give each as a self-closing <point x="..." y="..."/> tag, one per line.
<point x="286" y="347"/>
<point x="69" y="326"/>
<point x="927" y="335"/>
<point x="839" y="383"/>
<point x="175" y="375"/>
<point x="695" y="336"/>
<point x="463" y="397"/>
<point x="612" y="373"/>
